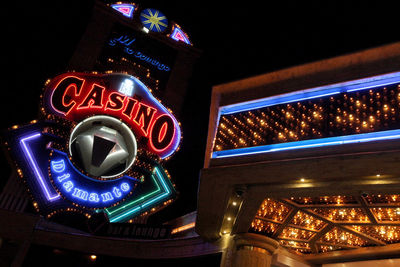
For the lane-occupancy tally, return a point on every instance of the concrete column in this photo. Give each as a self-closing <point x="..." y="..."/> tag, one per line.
<point x="250" y="250"/>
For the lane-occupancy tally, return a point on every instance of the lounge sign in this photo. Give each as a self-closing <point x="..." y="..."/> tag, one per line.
<point x="75" y="96"/>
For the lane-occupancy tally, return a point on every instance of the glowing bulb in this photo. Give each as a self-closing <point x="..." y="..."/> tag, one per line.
<point x="302" y="180"/>
<point x="93" y="257"/>
<point x="234" y="203"/>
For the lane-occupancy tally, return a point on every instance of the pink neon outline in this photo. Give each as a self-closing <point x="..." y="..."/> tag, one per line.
<point x="181" y="33"/>
<point x="33" y="164"/>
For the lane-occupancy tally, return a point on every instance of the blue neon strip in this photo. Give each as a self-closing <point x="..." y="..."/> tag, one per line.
<point x="330" y="141"/>
<point x="328" y="90"/>
<point x="48" y="190"/>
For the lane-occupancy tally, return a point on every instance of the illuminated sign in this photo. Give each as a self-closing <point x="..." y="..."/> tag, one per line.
<point x="179" y="35"/>
<point x="130" y="230"/>
<point x="85" y="190"/>
<point x="127" y="41"/>
<point x="134" y="50"/>
<point x="99" y="147"/>
<point x="352" y="112"/>
<point x="74" y="96"/>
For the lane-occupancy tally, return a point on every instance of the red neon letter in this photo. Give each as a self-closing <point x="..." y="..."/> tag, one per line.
<point x="162" y="133"/>
<point x="62" y="102"/>
<point x="129" y="107"/>
<point x="115" y="101"/>
<point x="144" y="116"/>
<point x="93" y="99"/>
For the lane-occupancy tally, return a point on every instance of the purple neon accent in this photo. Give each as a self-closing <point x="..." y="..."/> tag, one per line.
<point x="32" y="162"/>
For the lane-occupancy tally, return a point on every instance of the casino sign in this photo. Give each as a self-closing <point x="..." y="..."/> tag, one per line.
<point x="97" y="147"/>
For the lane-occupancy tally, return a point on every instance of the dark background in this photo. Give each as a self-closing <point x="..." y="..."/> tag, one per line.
<point x="238" y="40"/>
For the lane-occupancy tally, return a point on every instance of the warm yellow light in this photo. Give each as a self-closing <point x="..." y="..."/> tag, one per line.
<point x="93" y="257"/>
<point x="183" y="228"/>
<point x="302" y="180"/>
<point x="234" y="203"/>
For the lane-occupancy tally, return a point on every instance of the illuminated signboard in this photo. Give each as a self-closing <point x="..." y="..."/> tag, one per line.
<point x="98" y="147"/>
<point x="352" y="112"/>
<point x="74" y="97"/>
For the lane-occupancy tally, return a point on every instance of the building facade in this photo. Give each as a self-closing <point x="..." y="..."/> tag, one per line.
<point x="301" y="164"/>
<point x="304" y="160"/>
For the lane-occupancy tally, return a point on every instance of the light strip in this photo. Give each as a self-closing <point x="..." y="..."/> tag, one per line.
<point x="33" y="164"/>
<point x="145" y="201"/>
<point x="183" y="228"/>
<point x="322" y="91"/>
<point x="330" y="141"/>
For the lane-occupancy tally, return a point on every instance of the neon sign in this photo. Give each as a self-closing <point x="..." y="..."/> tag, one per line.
<point x="45" y="186"/>
<point x="84" y="190"/>
<point x="99" y="147"/>
<point x="179" y="35"/>
<point x="74" y="96"/>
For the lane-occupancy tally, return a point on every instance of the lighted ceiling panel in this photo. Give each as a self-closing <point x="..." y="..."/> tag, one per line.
<point x="311" y="225"/>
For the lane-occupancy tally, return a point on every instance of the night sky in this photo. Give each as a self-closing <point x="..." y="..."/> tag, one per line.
<point x="238" y="40"/>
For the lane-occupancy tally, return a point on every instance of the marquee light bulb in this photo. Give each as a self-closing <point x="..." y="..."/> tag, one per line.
<point x="341" y="115"/>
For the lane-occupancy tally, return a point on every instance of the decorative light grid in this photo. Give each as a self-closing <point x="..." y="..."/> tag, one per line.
<point x="307" y="221"/>
<point x="338" y="236"/>
<point x="386" y="233"/>
<point x="267" y="228"/>
<point x="387" y="199"/>
<point x="386" y="214"/>
<point x="302" y="247"/>
<point x="324" y="200"/>
<point x="295" y="233"/>
<point x="343" y="215"/>
<point x="330" y="115"/>
<point x="273" y="210"/>
<point x="327" y="248"/>
<point x="321" y="224"/>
